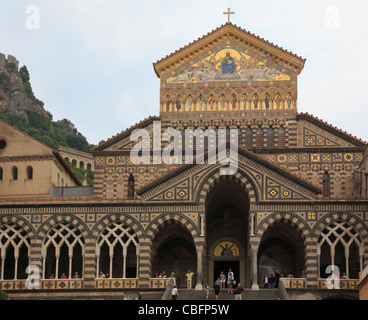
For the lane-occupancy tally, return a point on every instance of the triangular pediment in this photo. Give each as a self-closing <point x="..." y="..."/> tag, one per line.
<point x="317" y="133"/>
<point x="269" y="182"/>
<point x="121" y="141"/>
<point x="229" y="62"/>
<point x="249" y="52"/>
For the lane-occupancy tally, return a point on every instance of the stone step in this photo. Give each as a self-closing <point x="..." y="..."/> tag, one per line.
<point x="262" y="294"/>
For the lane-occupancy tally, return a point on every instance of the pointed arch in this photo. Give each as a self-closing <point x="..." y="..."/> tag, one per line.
<point x="267" y="102"/>
<point x="234" y="102"/>
<point x="281" y="138"/>
<point x="167" y="104"/>
<point x="259" y="138"/>
<point x="211" y="103"/>
<point x="131" y="187"/>
<point x="244" y="102"/>
<point x="270" y="138"/>
<point x="326" y="184"/>
<point x="222" y="103"/>
<point x="278" y="102"/>
<point x="256" y="104"/>
<point x="249" y="138"/>
<point x="178" y="104"/>
<point x="189" y="104"/>
<point x="289" y="101"/>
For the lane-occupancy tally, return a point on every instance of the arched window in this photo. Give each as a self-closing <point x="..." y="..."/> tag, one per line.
<point x="14" y="252"/>
<point x="131" y="187"/>
<point x="81" y="165"/>
<point x="29" y="173"/>
<point x="259" y="138"/>
<point x="249" y="138"/>
<point x="340" y="245"/>
<point x="89" y="166"/>
<point x="63" y="251"/>
<point x="326" y="184"/>
<point x="74" y="163"/>
<point x="240" y="138"/>
<point x="14" y="173"/>
<point x="117" y="251"/>
<point x="270" y="138"/>
<point x="1" y="174"/>
<point x="281" y="138"/>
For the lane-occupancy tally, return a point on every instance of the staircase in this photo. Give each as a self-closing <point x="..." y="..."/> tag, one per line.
<point x="262" y="294"/>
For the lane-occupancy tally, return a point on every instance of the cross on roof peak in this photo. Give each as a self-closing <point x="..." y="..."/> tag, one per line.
<point x="229" y="13"/>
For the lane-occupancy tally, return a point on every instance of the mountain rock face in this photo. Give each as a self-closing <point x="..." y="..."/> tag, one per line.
<point x="16" y="95"/>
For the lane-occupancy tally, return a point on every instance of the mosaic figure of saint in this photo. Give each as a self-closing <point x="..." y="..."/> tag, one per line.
<point x="168" y="102"/>
<point x="228" y="64"/>
<point x="178" y="104"/>
<point x="234" y="104"/>
<point x="211" y="103"/>
<point x="267" y="102"/>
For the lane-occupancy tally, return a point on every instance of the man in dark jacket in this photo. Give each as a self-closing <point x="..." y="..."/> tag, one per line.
<point x="239" y="291"/>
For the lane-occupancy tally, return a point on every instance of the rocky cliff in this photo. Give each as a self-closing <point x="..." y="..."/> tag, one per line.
<point x="16" y="95"/>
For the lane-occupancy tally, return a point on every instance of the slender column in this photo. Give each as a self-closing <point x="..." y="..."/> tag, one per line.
<point x="124" y="262"/>
<point x="254" y="249"/>
<point x="199" y="268"/>
<point x="202" y="224"/>
<point x="16" y="257"/>
<point x="252" y="215"/>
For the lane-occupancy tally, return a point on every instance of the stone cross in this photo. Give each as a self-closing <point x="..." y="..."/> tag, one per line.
<point x="229" y="13"/>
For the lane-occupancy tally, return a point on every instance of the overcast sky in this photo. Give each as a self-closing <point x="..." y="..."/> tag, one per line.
<point x="90" y="61"/>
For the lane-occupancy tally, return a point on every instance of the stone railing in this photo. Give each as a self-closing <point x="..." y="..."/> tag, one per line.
<point x="294" y="283"/>
<point x="160" y="283"/>
<point x="116" y="283"/>
<point x="342" y="284"/>
<point x="47" y="284"/>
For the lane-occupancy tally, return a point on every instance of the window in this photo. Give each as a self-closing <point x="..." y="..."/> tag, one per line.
<point x="29" y="173"/>
<point x="326" y="184"/>
<point x="117" y="252"/>
<point x="259" y="138"/>
<point x="2" y="144"/>
<point x="81" y="165"/>
<point x="240" y="140"/>
<point x="63" y="249"/>
<point x="14" y="173"/>
<point x="131" y="187"/>
<point x="249" y="138"/>
<point x="270" y="138"/>
<point x="1" y="173"/>
<point x="281" y="138"/>
<point x="341" y="245"/>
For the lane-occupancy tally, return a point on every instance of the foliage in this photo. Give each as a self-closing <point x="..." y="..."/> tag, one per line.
<point x="53" y="134"/>
<point x="5" y="82"/>
<point x="11" y="67"/>
<point x="24" y="75"/>
<point x="3" y="295"/>
<point x="83" y="173"/>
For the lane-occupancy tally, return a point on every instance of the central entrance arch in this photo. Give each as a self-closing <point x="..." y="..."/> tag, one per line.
<point x="227" y="230"/>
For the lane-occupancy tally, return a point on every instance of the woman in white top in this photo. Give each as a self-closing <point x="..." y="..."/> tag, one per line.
<point x="174" y="293"/>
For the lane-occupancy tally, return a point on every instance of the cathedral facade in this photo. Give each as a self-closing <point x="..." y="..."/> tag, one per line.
<point x="295" y="201"/>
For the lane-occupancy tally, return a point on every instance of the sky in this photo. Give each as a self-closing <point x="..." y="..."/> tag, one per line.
<point x="91" y="61"/>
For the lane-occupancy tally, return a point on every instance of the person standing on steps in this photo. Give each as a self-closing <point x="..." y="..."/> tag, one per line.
<point x="222" y="279"/>
<point x="174" y="293"/>
<point x="239" y="291"/>
<point x="206" y="290"/>
<point x="217" y="288"/>
<point x="230" y="280"/>
<point x="189" y="276"/>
